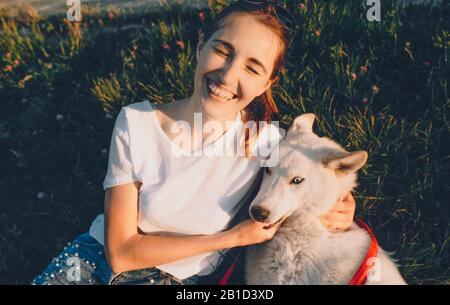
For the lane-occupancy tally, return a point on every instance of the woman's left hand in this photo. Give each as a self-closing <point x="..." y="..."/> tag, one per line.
<point x="340" y="217"/>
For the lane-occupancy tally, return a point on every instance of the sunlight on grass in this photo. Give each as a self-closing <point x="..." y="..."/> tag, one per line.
<point x="378" y="86"/>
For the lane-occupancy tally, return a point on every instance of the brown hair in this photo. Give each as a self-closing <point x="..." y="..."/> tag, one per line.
<point x="263" y="107"/>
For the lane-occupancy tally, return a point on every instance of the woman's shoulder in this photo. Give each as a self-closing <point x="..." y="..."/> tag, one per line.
<point x="269" y="136"/>
<point x="137" y="114"/>
<point x="144" y="106"/>
<point x="271" y="132"/>
<point x="136" y="121"/>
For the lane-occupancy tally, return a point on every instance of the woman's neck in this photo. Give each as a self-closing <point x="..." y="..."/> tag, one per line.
<point x="191" y="112"/>
<point x="192" y="106"/>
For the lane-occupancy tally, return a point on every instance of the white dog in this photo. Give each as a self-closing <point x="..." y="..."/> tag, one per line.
<point x="313" y="173"/>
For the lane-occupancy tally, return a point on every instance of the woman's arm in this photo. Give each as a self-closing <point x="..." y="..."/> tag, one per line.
<point x="126" y="249"/>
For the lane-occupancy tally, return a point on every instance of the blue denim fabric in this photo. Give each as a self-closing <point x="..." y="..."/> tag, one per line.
<point x="83" y="262"/>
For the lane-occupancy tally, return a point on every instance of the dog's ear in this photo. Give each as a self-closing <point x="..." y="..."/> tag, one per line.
<point x="303" y="123"/>
<point x="346" y="164"/>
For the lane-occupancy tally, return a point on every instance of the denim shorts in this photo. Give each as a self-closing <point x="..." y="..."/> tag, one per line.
<point x="83" y="262"/>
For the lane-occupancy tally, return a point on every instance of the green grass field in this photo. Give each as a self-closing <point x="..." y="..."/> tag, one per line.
<point x="378" y="86"/>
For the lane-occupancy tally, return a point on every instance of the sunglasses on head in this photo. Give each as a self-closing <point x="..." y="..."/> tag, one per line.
<point x="283" y="15"/>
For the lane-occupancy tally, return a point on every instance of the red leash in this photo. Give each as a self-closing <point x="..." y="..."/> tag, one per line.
<point x="229" y="272"/>
<point x="360" y="276"/>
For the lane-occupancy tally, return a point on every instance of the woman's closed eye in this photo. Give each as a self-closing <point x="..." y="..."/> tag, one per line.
<point x="253" y="70"/>
<point x="222" y="52"/>
<point x="227" y="55"/>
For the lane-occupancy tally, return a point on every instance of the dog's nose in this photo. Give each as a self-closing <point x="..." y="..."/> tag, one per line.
<point x="259" y="213"/>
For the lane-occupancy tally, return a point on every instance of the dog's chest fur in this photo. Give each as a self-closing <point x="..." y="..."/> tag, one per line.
<point x="304" y="252"/>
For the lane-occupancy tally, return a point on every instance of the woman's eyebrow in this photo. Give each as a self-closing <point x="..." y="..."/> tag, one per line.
<point x="231" y="47"/>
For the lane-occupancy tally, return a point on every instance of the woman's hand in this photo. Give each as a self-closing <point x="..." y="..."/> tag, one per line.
<point x="340" y="217"/>
<point x="250" y="232"/>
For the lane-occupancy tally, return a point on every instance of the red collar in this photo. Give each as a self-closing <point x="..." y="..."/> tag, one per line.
<point x="360" y="276"/>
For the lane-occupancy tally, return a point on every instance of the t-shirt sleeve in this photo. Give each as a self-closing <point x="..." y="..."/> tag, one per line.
<point x="120" y="166"/>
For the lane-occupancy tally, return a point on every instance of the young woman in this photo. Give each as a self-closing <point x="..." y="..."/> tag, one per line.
<point x="168" y="207"/>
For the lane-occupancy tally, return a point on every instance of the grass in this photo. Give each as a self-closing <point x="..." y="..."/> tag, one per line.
<point x="62" y="84"/>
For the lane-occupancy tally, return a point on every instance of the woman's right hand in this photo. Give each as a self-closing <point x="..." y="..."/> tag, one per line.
<point x="249" y="232"/>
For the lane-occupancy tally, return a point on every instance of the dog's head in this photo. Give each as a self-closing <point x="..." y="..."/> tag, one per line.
<point x="312" y="174"/>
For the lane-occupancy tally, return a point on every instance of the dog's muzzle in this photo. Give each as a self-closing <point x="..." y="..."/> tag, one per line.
<point x="259" y="213"/>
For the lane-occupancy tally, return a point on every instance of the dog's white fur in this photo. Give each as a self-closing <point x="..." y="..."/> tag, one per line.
<point x="303" y="251"/>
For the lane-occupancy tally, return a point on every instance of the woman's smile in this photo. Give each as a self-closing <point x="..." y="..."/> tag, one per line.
<point x="216" y="92"/>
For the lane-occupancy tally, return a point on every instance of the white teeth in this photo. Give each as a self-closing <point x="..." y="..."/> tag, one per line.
<point x="214" y="88"/>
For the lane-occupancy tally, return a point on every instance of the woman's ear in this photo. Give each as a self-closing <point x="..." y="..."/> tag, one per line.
<point x="200" y="45"/>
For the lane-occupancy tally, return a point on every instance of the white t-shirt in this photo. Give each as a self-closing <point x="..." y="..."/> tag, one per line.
<point x="179" y="194"/>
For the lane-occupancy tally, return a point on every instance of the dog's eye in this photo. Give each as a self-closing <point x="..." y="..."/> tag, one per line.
<point x="297" y="180"/>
